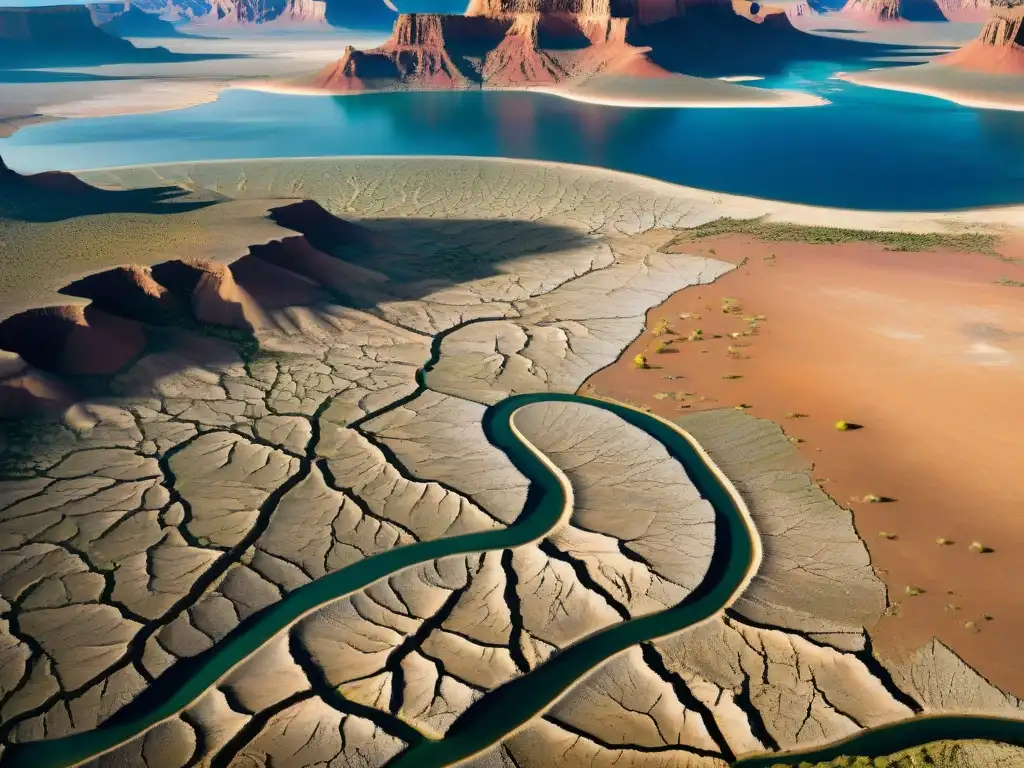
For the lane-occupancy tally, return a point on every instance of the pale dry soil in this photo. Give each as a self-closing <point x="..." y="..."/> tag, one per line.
<point x="150" y="523"/>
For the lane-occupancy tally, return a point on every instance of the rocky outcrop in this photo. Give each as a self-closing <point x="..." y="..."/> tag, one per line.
<point x="599" y="44"/>
<point x="875" y="10"/>
<point x="896" y="10"/>
<point x="305" y="12"/>
<point x="499" y="8"/>
<point x="126" y="20"/>
<point x="415" y="56"/>
<point x="519" y="61"/>
<point x="62" y="35"/>
<point x="999" y="48"/>
<point x="965" y="10"/>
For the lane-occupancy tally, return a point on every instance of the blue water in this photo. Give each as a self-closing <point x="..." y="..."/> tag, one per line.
<point x="868" y="149"/>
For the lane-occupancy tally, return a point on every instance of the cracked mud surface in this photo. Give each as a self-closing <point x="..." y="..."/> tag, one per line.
<point x="211" y="480"/>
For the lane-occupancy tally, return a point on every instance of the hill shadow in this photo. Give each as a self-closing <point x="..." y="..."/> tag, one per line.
<point x="56" y="196"/>
<point x="692" y="45"/>
<point x="132" y="312"/>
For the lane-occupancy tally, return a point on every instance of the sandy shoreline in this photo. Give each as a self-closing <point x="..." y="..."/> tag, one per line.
<point x="997" y="219"/>
<point x="1009" y="102"/>
<point x="905" y="344"/>
<point x="766" y="98"/>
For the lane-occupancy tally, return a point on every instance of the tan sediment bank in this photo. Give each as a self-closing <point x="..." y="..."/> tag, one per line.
<point x="969" y="89"/>
<point x="926" y="351"/>
<point x="682" y="206"/>
<point x="621" y="91"/>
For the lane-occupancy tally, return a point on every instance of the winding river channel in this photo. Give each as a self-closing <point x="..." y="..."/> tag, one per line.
<point x="736" y="557"/>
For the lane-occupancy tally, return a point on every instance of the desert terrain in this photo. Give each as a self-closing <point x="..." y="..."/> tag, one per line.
<point x="987" y="72"/>
<point x="893" y="341"/>
<point x="208" y="533"/>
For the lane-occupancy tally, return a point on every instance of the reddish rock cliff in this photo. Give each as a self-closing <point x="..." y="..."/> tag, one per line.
<point x="999" y="48"/>
<point x="415" y="56"/>
<point x="965" y="10"/>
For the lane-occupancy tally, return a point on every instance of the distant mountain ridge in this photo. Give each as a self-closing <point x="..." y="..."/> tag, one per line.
<point x="64" y="36"/>
<point x="353" y="14"/>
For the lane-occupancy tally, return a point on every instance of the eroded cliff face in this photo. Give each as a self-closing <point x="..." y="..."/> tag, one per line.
<point x="505" y="8"/>
<point x="241" y="12"/>
<point x="518" y="60"/>
<point x="524" y="43"/>
<point x="306" y="11"/>
<point x="999" y="48"/>
<point x="965" y="10"/>
<point x="880" y="10"/>
<point x="416" y="56"/>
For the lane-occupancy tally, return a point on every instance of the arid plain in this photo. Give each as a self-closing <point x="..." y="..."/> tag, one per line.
<point x="309" y="398"/>
<point x="430" y="461"/>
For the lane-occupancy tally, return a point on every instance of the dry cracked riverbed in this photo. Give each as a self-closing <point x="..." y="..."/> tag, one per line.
<point x="205" y="477"/>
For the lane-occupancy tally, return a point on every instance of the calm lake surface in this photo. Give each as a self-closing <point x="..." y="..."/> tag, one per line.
<point x="868" y="149"/>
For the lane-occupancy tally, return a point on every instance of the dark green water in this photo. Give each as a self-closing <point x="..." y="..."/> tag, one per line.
<point x="889" y="739"/>
<point x="513" y="704"/>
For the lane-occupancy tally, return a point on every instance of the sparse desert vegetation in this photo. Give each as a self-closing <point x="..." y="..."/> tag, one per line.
<point x="938" y="754"/>
<point x="772" y="231"/>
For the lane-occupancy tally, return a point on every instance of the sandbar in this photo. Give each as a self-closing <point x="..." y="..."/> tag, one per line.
<point x="970" y="89"/>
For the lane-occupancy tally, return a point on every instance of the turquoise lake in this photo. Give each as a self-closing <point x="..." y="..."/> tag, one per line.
<point x="867" y="149"/>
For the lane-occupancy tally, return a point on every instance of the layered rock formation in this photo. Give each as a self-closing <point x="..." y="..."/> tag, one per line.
<point x="366" y="14"/>
<point x="500" y="49"/>
<point x="999" y="48"/>
<point x="416" y="56"/>
<point x="604" y="44"/>
<point x="965" y="10"/>
<point x="127" y="20"/>
<point x="57" y="34"/>
<point x="899" y="10"/>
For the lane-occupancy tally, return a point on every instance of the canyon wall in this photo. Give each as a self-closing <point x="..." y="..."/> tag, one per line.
<point x="999" y="49"/>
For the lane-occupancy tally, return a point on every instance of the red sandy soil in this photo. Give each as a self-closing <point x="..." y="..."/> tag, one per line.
<point x="994" y="60"/>
<point x="999" y="48"/>
<point x="926" y="351"/>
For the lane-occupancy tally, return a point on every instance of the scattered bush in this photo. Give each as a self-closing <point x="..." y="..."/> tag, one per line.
<point x="640" y="361"/>
<point x="696" y="334"/>
<point x="943" y="542"/>
<point x="842" y="426"/>
<point x="979" y="548"/>
<point x="771" y="231"/>
<point x="887" y="535"/>
<point x="913" y="591"/>
<point x="872" y="499"/>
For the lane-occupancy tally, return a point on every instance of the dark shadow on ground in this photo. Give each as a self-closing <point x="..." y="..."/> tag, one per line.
<point x="693" y="45"/>
<point x="326" y="262"/>
<point x="56" y="196"/>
